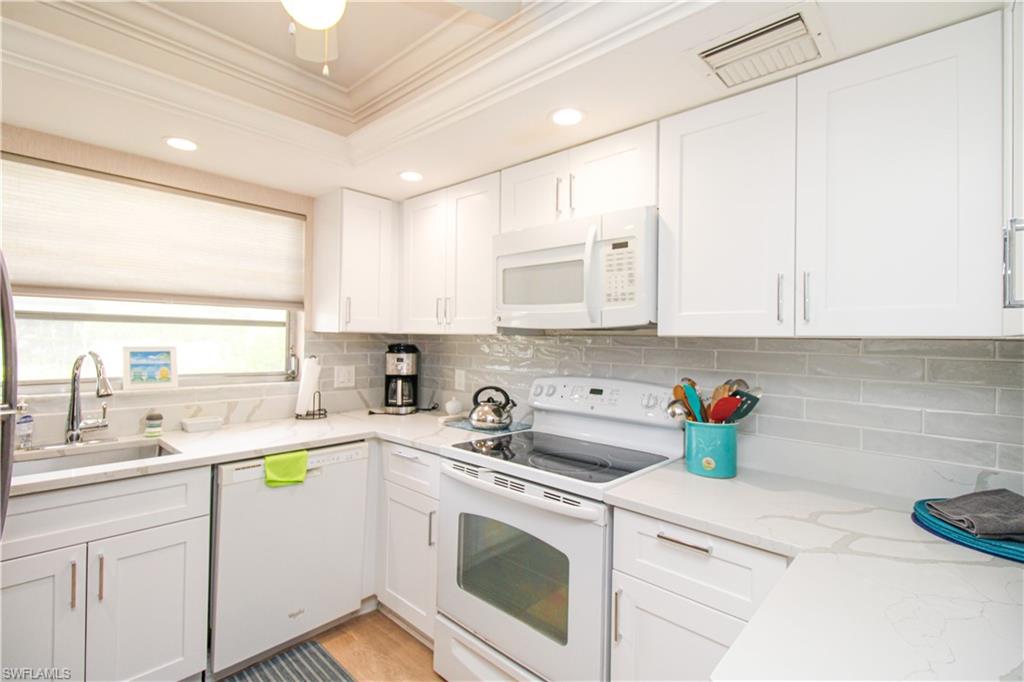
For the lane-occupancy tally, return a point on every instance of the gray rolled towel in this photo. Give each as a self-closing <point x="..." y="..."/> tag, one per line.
<point x="993" y="514"/>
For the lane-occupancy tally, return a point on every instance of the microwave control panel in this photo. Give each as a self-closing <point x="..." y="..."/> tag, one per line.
<point x="620" y="272"/>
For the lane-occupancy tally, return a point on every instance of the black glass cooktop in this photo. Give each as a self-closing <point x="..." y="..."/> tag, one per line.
<point x="579" y="459"/>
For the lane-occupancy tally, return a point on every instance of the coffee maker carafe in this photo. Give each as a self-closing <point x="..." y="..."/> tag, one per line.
<point x="400" y="381"/>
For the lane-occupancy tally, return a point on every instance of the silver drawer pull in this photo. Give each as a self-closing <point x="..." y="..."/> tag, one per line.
<point x="430" y="529"/>
<point x="616" y="633"/>
<point x="102" y="578"/>
<point x="74" y="584"/>
<point x="687" y="545"/>
<point x="405" y="455"/>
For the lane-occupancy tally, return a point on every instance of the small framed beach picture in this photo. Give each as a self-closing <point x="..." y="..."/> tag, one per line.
<point x="149" y="368"/>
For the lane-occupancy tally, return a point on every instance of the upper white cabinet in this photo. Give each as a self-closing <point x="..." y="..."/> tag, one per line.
<point x="43" y="615"/>
<point x="354" y="273"/>
<point x="449" y="263"/>
<point x="899" y="164"/>
<point x="727" y="187"/>
<point x="612" y="173"/>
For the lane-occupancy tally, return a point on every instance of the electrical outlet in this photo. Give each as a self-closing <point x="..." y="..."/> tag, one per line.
<point x="345" y="376"/>
<point x="460" y="380"/>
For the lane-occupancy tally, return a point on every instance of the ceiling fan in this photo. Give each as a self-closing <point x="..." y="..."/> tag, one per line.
<point x="310" y="17"/>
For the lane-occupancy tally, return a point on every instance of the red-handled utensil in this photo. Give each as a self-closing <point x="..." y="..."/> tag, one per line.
<point x="724" y="408"/>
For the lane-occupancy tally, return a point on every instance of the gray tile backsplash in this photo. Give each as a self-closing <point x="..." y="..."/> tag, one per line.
<point x="947" y="400"/>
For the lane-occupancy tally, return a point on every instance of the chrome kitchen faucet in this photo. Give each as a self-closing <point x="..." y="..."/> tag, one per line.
<point x="75" y="424"/>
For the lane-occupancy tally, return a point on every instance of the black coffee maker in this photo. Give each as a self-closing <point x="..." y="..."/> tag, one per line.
<point x="400" y="378"/>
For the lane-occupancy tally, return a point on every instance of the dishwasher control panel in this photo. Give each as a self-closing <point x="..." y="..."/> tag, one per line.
<point x="252" y="469"/>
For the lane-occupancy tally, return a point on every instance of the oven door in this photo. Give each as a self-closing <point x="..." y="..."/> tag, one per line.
<point x="548" y="278"/>
<point x="525" y="569"/>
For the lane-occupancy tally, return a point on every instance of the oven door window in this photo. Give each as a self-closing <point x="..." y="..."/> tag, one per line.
<point x="515" y="572"/>
<point x="554" y="283"/>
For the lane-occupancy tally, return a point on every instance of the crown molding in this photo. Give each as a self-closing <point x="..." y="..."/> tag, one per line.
<point x="28" y="49"/>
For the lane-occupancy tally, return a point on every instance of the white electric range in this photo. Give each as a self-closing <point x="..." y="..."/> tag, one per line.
<point x="524" y="548"/>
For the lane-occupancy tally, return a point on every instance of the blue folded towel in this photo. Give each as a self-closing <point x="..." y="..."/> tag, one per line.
<point x="1007" y="549"/>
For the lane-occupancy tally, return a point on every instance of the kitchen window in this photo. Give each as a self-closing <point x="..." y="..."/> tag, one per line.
<point x="100" y="262"/>
<point x="210" y="340"/>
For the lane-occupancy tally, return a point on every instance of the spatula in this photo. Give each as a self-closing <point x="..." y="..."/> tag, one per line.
<point x="725" y="408"/>
<point x="695" y="403"/>
<point x="747" y="405"/>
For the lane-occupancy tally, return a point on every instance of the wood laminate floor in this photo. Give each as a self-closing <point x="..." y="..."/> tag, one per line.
<point x="373" y="648"/>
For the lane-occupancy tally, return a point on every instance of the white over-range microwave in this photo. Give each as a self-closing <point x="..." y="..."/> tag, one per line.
<point x="591" y="273"/>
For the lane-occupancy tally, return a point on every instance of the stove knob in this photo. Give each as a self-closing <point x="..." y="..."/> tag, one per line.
<point x="551" y="390"/>
<point x="537" y="390"/>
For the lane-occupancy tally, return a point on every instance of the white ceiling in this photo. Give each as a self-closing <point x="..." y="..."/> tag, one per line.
<point x="467" y="96"/>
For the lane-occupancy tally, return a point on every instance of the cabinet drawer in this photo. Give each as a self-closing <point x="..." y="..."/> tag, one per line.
<point x="725" y="575"/>
<point x="44" y="521"/>
<point x="412" y="468"/>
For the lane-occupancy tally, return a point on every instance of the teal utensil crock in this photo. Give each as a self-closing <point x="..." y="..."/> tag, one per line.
<point x="711" y="449"/>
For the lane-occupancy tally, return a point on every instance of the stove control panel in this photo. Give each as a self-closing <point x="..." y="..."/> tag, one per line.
<point x="612" y="398"/>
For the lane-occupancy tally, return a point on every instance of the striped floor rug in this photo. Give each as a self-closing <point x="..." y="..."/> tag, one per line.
<point x="306" y="662"/>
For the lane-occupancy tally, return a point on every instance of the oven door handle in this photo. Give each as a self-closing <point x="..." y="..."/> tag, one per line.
<point x="581" y="513"/>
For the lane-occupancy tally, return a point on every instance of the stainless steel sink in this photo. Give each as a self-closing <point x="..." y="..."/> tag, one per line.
<point x="91" y="454"/>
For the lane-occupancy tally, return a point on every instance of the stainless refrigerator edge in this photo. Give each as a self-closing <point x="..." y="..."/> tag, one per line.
<point x="8" y="387"/>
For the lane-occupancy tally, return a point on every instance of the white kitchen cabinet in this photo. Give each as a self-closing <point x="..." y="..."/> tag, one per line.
<point x="535" y="193"/>
<point x="657" y="635"/>
<point x="43" y="611"/>
<point x="409" y="580"/>
<point x="449" y="272"/>
<point x="615" y="172"/>
<point x="609" y="174"/>
<point x="354" y="273"/>
<point x="425" y="227"/>
<point x="899" y="200"/>
<point x="147" y="603"/>
<point x="727" y="187"/>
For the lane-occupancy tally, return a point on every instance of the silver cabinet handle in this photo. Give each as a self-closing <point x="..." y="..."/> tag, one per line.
<point x="807" y="296"/>
<point x="778" y="298"/>
<point x="687" y="545"/>
<point x="437" y="310"/>
<point x="558" y="190"/>
<point x="1010" y="232"/>
<point x="74" y="584"/>
<point x="405" y="455"/>
<point x="430" y="529"/>
<point x="572" y="182"/>
<point x="102" y="580"/>
<point x="447" y="316"/>
<point x="348" y="309"/>
<point x="616" y="634"/>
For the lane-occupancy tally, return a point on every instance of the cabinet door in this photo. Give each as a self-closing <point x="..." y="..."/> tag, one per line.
<point x="147" y="597"/>
<point x="535" y="193"/>
<point x="410" y="557"/>
<point x="615" y="172"/>
<point x="43" y="614"/>
<point x="727" y="188"/>
<point x="658" y="635"/>
<point x="326" y="259"/>
<point x="472" y="223"/>
<point x="425" y="244"/>
<point x="368" y="288"/>
<point x="899" y="204"/>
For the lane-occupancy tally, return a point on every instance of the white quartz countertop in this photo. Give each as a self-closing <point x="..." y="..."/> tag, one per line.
<point x="241" y="441"/>
<point x="868" y="595"/>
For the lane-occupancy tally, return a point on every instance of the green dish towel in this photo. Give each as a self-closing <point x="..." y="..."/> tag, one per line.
<point x="287" y="468"/>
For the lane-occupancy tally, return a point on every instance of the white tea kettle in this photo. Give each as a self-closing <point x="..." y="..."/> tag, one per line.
<point x="490" y="414"/>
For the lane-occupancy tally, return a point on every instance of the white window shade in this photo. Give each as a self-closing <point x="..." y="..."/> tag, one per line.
<point x="78" y="232"/>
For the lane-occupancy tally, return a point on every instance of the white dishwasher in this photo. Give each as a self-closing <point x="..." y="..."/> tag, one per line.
<point x="286" y="560"/>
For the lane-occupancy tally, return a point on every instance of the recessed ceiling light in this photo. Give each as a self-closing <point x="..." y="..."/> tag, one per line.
<point x="411" y="176"/>
<point x="567" y="117"/>
<point x="181" y="143"/>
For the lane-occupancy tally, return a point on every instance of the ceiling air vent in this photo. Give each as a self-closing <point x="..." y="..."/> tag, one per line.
<point x="775" y="47"/>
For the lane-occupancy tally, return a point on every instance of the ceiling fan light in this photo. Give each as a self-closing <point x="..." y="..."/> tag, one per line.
<point x="318" y="15"/>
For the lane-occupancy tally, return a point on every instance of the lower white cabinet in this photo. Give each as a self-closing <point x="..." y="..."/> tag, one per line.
<point x="147" y="597"/>
<point x="658" y="635"/>
<point x="43" y="611"/>
<point x="410" y="557"/>
<point x="109" y="581"/>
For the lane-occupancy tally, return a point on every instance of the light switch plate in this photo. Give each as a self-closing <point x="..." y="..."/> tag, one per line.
<point x="460" y="380"/>
<point x="345" y="376"/>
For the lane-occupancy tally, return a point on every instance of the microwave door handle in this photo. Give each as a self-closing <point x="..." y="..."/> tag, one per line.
<point x="589" y="286"/>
